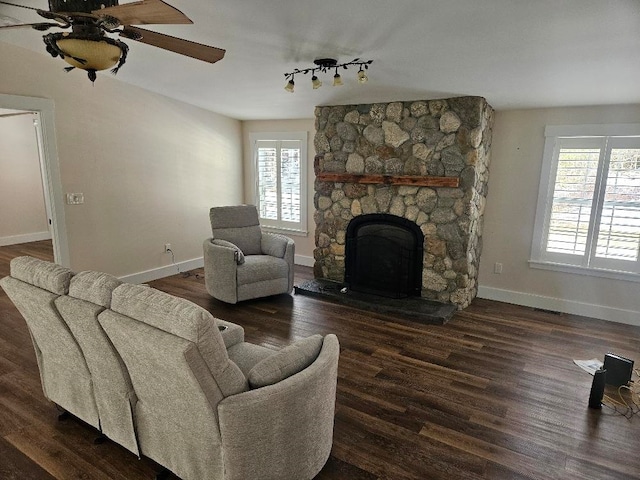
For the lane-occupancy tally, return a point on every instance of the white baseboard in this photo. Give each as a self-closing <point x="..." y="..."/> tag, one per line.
<point x="162" y="272"/>
<point x="168" y="270"/>
<point x="631" y="317"/>
<point x="304" y="260"/>
<point x="24" y="238"/>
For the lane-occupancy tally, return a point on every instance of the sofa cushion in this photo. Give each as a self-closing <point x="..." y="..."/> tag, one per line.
<point x="285" y="363"/>
<point x="186" y="320"/>
<point x="42" y="274"/>
<point x="259" y="268"/>
<point x="94" y="287"/>
<point x="274" y="244"/>
<point x="238" y="255"/>
<point x="238" y="224"/>
<point x="234" y="216"/>
<point x="247" y="239"/>
<point x="247" y="355"/>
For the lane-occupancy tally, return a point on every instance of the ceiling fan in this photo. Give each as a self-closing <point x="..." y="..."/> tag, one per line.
<point x="88" y="47"/>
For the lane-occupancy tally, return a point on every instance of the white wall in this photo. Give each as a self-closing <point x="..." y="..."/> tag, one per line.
<point x="304" y="245"/>
<point x="516" y="160"/>
<point x="149" y="167"/>
<point x="23" y="215"/>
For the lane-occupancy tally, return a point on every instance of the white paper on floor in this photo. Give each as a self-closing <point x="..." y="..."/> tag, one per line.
<point x="589" y="366"/>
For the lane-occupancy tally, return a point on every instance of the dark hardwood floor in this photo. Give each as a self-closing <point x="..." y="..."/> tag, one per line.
<point x="493" y="394"/>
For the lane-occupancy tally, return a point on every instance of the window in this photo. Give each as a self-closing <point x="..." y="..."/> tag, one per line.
<point x="588" y="216"/>
<point x="280" y="161"/>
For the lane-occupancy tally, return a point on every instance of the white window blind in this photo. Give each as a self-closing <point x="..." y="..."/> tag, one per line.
<point x="589" y="207"/>
<point x="575" y="181"/>
<point x="619" y="229"/>
<point x="268" y="180"/>
<point x="280" y="180"/>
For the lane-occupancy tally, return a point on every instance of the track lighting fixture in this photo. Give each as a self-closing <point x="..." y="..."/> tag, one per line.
<point x="325" y="64"/>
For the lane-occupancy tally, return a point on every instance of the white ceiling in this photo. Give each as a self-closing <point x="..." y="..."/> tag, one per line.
<point x="515" y="53"/>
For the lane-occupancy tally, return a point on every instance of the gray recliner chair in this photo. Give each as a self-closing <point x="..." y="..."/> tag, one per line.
<point x="240" y="261"/>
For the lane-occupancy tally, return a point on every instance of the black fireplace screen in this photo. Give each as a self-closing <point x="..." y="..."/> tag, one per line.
<point x="384" y="256"/>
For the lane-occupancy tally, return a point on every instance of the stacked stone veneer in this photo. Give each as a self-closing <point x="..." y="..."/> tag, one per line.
<point x="449" y="138"/>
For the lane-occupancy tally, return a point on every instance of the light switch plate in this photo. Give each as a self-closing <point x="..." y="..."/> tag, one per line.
<point x="75" y="198"/>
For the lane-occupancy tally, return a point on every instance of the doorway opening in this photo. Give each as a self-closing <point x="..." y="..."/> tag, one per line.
<point x="43" y="122"/>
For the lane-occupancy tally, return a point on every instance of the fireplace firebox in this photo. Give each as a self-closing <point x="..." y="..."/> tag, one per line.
<point x="384" y="256"/>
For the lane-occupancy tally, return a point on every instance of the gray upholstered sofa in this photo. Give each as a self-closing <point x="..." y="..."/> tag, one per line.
<point x="241" y="261"/>
<point x="162" y="377"/>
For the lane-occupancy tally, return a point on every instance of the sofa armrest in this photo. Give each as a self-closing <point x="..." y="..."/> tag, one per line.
<point x="220" y="272"/>
<point x="232" y="333"/>
<point x="282" y="247"/>
<point x="284" y="430"/>
<point x="274" y="244"/>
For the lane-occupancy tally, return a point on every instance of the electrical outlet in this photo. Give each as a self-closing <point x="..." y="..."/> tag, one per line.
<point x="497" y="268"/>
<point x="167" y="247"/>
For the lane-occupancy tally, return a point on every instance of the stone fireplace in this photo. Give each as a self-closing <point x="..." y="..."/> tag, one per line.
<point x="423" y="162"/>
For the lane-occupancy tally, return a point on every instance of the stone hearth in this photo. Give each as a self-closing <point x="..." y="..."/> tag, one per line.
<point x="416" y="309"/>
<point x="425" y="161"/>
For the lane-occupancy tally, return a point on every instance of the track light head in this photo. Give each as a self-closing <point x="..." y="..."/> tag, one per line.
<point x="290" y="85"/>
<point x="337" y="79"/>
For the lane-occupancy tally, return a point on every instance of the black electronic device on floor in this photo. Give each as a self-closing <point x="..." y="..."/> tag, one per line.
<point x="619" y="369"/>
<point x="597" y="388"/>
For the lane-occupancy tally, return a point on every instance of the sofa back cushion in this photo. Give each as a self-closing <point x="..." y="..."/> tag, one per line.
<point x="89" y="295"/>
<point x="238" y="224"/>
<point x="186" y="321"/>
<point x="39" y="273"/>
<point x="180" y="371"/>
<point x="286" y="362"/>
<point x="33" y="287"/>
<point x="94" y="287"/>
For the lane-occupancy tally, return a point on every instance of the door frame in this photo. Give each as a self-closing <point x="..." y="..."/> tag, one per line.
<point x="49" y="168"/>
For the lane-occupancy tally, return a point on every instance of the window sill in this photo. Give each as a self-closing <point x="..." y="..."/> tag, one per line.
<point x="589" y="271"/>
<point x="286" y="231"/>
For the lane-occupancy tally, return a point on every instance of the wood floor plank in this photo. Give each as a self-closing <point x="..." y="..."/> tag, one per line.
<point x="15" y="465"/>
<point x="493" y="394"/>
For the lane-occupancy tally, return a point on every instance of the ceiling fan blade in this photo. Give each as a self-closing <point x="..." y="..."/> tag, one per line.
<point x="174" y="44"/>
<point x="145" y="12"/>
<point x="37" y="26"/>
<point x="7" y="115"/>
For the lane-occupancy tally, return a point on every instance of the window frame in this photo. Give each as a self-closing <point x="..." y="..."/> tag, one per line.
<point x="282" y="226"/>
<point x="557" y="136"/>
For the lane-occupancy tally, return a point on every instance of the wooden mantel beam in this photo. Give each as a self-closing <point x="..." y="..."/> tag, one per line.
<point x="406" y="180"/>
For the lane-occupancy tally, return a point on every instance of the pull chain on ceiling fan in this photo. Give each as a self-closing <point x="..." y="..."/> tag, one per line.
<point x="88" y="47"/>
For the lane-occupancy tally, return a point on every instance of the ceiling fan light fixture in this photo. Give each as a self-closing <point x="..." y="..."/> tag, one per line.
<point x="97" y="55"/>
<point x="88" y="45"/>
<point x="326" y="64"/>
